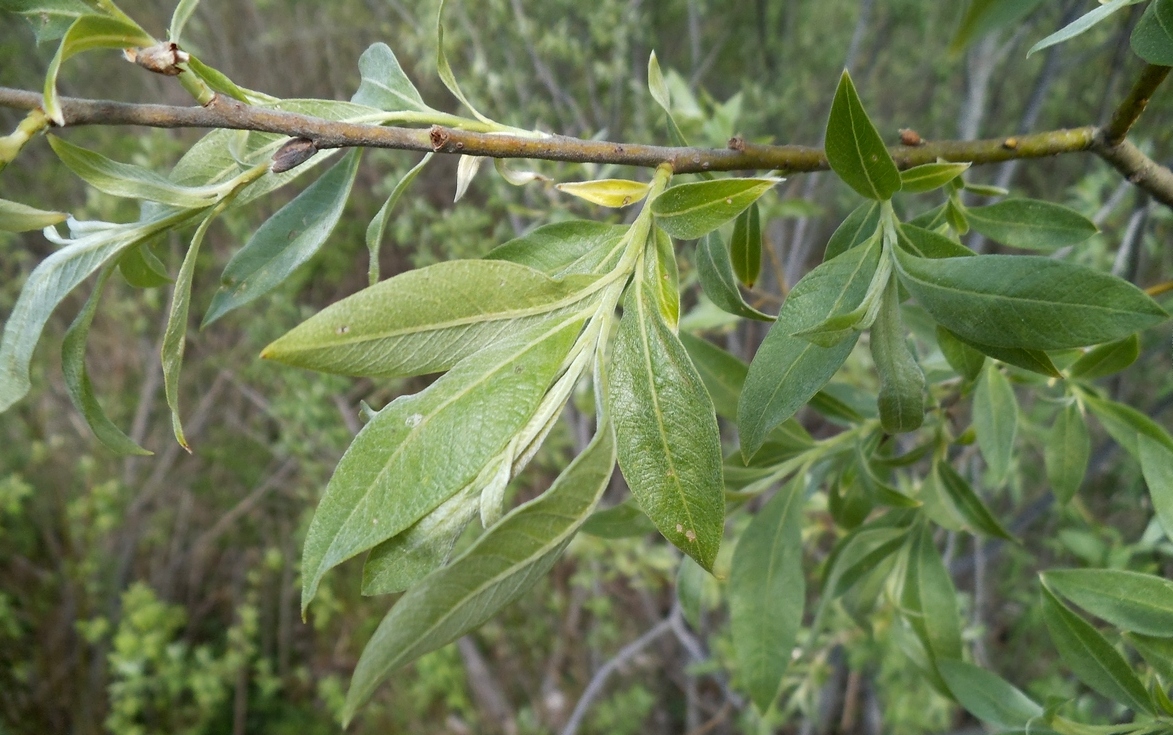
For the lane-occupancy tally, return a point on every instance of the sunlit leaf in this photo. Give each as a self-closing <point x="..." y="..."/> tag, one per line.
<point x="607" y="192"/>
<point x="855" y="150"/>
<point x="688" y="211"/>
<point x="17" y="217"/>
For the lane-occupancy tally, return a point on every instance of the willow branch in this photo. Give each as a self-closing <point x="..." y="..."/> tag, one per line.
<point x="1134" y="104"/>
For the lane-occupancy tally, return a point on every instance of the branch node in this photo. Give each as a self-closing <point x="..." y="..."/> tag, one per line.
<point x="439" y="137"/>
<point x="737" y="143"/>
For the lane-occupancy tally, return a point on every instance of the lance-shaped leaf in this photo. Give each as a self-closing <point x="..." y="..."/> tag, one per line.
<point x="378" y="224"/>
<point x="1036" y="361"/>
<point x="384" y="85"/>
<point x="128" y="180"/>
<point x="1106" y="359"/>
<point x="503" y="563"/>
<point x="669" y="443"/>
<point x="930" y="176"/>
<point x="286" y="240"/>
<point x="858" y="553"/>
<point x="745" y="246"/>
<point x="859" y="227"/>
<point x="987" y="696"/>
<point x="52" y="280"/>
<point x="929" y="600"/>
<point x="966" y="504"/>
<point x="87" y="33"/>
<point x="663" y="274"/>
<point x="77" y="379"/>
<point x="179" y="18"/>
<point x="1156" y="462"/>
<point x="422" y="449"/>
<point x="1081" y="24"/>
<point x="966" y="360"/>
<point x="1031" y="224"/>
<point x="1140" y="603"/>
<point x="466" y="171"/>
<point x="787" y="370"/>
<point x="564" y="248"/>
<point x="1027" y="302"/>
<point x="607" y="192"/>
<point x="1066" y="453"/>
<point x="659" y="90"/>
<point x="766" y="593"/>
<point x="427" y="320"/>
<point x="901" y="398"/>
<point x="1092" y="658"/>
<point x="1126" y="425"/>
<point x="855" y="150"/>
<point x="995" y="419"/>
<point x="444" y="69"/>
<point x="717" y="280"/>
<point x="1152" y="38"/>
<point x="17" y="217"/>
<point x="688" y="211"/>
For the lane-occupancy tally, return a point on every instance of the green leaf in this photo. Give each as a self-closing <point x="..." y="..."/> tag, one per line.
<point x="445" y="70"/>
<point x="928" y="244"/>
<point x="955" y="215"/>
<point x="1081" y="24"/>
<point x="722" y="373"/>
<point x="378" y="224"/>
<point x="1126" y="425"/>
<point x="1031" y="224"/>
<point x="1152" y="38"/>
<point x="77" y="379"/>
<point x="613" y="193"/>
<point x="1156" y="462"/>
<point x="17" y="217"/>
<point x="745" y="247"/>
<point x="1106" y="359"/>
<point x="218" y="81"/>
<point x="930" y="220"/>
<point x="766" y="593"/>
<point x="179" y="18"/>
<point x="839" y="327"/>
<point x="87" y="33"/>
<point x="286" y="240"/>
<point x="930" y="176"/>
<point x="52" y="280"/>
<point x="669" y="443"/>
<point x="987" y="696"/>
<point x="1034" y="360"/>
<point x="966" y="360"/>
<point x="406" y="558"/>
<point x="901" y="398"/>
<point x="564" y="248"/>
<point x="855" y="150"/>
<point x="50" y="19"/>
<point x="1026" y="302"/>
<point x="986" y="16"/>
<point x="420" y="450"/>
<point x="1139" y="603"/>
<point x="929" y="600"/>
<point x="662" y="271"/>
<point x="858" y="553"/>
<point x="384" y="86"/>
<point x="787" y="370"/>
<point x="659" y="90"/>
<point x="688" y="211"/>
<point x="142" y="268"/>
<point x="503" y="563"/>
<point x="625" y="520"/>
<point x="860" y="226"/>
<point x="426" y="320"/>
<point x="968" y="507"/>
<point x="1092" y="658"/>
<point x="1068" y="447"/>
<point x="715" y="272"/>
<point x="995" y="419"/>
<point x="1157" y="651"/>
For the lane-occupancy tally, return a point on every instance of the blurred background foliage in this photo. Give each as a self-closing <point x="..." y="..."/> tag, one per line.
<point x="159" y="594"/>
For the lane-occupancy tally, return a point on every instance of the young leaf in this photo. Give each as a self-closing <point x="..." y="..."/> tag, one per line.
<point x="1139" y="603"/>
<point x="929" y="600"/>
<point x="607" y="192"/>
<point x="286" y="240"/>
<point x="766" y="593"/>
<point x="77" y="379"/>
<point x="179" y="18"/>
<point x="688" y="211"/>
<point x="1152" y="38"/>
<point x="901" y="398"/>
<point x="1106" y="359"/>
<point x="930" y="176"/>
<point x="662" y="271"/>
<point x="503" y="563"/>
<point x="17" y="217"/>
<point x="987" y="696"/>
<point x="625" y="520"/>
<point x="995" y="419"/>
<point x="718" y="281"/>
<point x="745" y="247"/>
<point x="444" y="70"/>
<point x="466" y="171"/>
<point x="404" y="559"/>
<point x="1081" y="24"/>
<point x="1156" y="462"/>
<point x="787" y="371"/>
<point x="87" y="33"/>
<point x="422" y="449"/>
<point x="966" y="503"/>
<point x="1092" y="658"/>
<point x="378" y="224"/>
<point x="563" y="248"/>
<point x="659" y="90"/>
<point x="966" y="360"/>
<point x="855" y="150"/>
<point x="860" y="226"/>
<point x="1031" y="224"/>
<point x="384" y="86"/>
<point x="669" y="443"/>
<point x="1027" y="302"/>
<point x="722" y="373"/>
<point x="427" y="320"/>
<point x="1066" y="452"/>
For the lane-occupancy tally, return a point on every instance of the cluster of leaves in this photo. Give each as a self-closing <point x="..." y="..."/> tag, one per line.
<point x="517" y="333"/>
